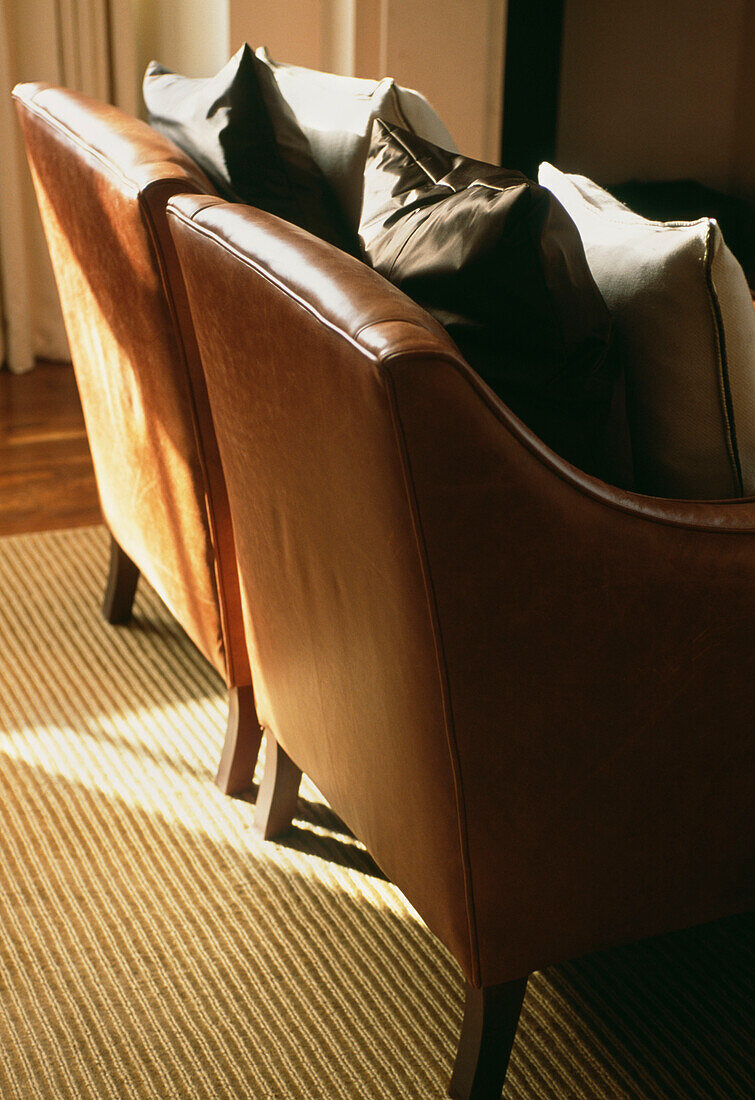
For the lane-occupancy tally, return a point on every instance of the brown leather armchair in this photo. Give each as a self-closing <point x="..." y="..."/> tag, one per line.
<point x="529" y="694"/>
<point x="102" y="180"/>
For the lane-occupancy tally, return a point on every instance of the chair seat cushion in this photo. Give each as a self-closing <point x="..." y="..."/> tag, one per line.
<point x="495" y="258"/>
<point x="684" y="335"/>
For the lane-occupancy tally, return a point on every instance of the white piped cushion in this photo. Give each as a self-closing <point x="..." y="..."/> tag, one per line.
<point x="684" y="331"/>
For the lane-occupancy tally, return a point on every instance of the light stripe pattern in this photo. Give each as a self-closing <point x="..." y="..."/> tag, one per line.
<point x="151" y="946"/>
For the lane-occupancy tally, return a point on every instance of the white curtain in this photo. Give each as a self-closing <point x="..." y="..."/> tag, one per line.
<point x="88" y="45"/>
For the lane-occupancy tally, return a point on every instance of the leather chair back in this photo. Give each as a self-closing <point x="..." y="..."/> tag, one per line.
<point x="345" y="656"/>
<point x="530" y="694"/>
<point x="102" y="180"/>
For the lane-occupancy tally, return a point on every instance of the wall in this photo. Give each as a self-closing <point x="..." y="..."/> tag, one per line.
<point x="190" y="36"/>
<point x="294" y="31"/>
<point x="452" y="52"/>
<point x="650" y="88"/>
<point x="658" y="91"/>
<point x="743" y="152"/>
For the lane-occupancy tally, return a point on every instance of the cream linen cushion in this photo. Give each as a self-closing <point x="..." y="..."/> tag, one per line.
<point x="684" y="335"/>
<point x="336" y="115"/>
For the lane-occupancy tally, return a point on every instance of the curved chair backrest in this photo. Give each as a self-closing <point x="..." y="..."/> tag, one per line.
<point x="102" y="180"/>
<point x="528" y="693"/>
<point x="344" y="657"/>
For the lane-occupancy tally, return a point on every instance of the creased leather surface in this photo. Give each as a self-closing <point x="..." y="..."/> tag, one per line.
<point x="530" y="695"/>
<point x="102" y="181"/>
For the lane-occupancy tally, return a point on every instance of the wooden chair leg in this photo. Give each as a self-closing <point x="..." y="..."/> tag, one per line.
<point x="242" y="742"/>
<point x="491" y="1015"/>
<point x="120" y="589"/>
<point x="276" y="801"/>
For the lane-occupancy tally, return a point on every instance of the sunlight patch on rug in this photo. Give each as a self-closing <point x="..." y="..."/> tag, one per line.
<point x="151" y="945"/>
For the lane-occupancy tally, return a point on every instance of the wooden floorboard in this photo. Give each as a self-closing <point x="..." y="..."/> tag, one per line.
<point x="46" y="475"/>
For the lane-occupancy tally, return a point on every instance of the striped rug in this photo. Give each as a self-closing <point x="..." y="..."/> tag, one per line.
<point x="151" y="946"/>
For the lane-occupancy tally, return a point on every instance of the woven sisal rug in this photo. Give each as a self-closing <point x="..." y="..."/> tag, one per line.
<point x="151" y="946"/>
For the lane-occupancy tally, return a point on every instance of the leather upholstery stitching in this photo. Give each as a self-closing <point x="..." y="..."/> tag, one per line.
<point x="597" y="491"/>
<point x="389" y="321"/>
<point x="213" y="235"/>
<point x="353" y="338"/>
<point x="43" y="114"/>
<point x="55" y="124"/>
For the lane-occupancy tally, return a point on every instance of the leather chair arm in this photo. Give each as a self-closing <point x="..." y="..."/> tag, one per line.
<point x="560" y="702"/>
<point x="601" y="676"/>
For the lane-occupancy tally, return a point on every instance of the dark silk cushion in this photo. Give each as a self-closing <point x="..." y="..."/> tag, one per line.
<point x="224" y="122"/>
<point x="497" y="260"/>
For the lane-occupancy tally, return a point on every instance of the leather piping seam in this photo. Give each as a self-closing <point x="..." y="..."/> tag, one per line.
<point x="353" y="338"/>
<point x="388" y="321"/>
<point x="209" y="505"/>
<point x="467" y="373"/>
<point x="584" y="490"/>
<point x="594" y="493"/>
<point x="441" y="668"/>
<point x="213" y="235"/>
<point x="210" y="200"/>
<point x="54" y="123"/>
<point x="64" y="129"/>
